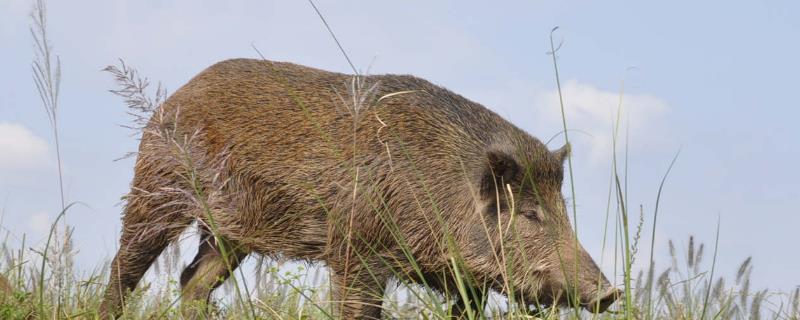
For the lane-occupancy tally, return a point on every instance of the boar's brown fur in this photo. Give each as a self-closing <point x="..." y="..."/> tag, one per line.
<point x="371" y="175"/>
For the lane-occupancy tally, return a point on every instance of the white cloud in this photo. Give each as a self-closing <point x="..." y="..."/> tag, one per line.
<point x="594" y="111"/>
<point x="20" y="148"/>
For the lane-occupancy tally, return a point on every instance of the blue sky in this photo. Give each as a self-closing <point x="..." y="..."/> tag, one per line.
<point x="715" y="79"/>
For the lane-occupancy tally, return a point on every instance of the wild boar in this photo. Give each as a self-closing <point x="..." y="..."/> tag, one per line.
<point x="380" y="177"/>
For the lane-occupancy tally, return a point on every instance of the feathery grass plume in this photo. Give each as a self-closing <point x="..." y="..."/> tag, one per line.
<point x="638" y="284"/>
<point x="698" y="258"/>
<point x="702" y="295"/>
<point x="46" y="69"/>
<point x="133" y="88"/>
<point x="637" y="235"/>
<point x="663" y="283"/>
<point x="717" y="292"/>
<point x="743" y="277"/>
<point x="690" y="253"/>
<point x="672" y="255"/>
<point x="744" y="269"/>
<point x="755" y="305"/>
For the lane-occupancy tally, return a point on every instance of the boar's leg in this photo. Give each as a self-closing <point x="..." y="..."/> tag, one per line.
<point x="147" y="228"/>
<point x="459" y="309"/>
<point x="358" y="291"/>
<point x="524" y="307"/>
<point x="445" y="284"/>
<point x="207" y="271"/>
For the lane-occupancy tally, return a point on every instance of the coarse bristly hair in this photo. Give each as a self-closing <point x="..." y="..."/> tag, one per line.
<point x="412" y="182"/>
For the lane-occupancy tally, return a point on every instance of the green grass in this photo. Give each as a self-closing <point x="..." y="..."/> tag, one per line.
<point x="682" y="290"/>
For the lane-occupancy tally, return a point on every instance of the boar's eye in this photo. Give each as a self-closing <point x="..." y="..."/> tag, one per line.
<point x="531" y="214"/>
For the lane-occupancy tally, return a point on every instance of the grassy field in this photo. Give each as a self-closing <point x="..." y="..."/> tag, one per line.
<point x="42" y="282"/>
<point x="682" y="290"/>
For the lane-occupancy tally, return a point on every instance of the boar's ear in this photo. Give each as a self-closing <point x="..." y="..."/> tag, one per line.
<point x="501" y="168"/>
<point x="563" y="153"/>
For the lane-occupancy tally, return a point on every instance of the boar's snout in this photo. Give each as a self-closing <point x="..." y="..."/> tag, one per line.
<point x="600" y="302"/>
<point x="594" y="296"/>
<point x="594" y="292"/>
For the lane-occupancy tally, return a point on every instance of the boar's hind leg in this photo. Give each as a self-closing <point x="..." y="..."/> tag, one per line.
<point x="212" y="265"/>
<point x="147" y="228"/>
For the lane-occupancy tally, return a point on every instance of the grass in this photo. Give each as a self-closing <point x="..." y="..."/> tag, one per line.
<point x="683" y="290"/>
<point x="39" y="282"/>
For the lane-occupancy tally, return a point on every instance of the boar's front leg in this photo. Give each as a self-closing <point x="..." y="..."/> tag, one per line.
<point x="358" y="288"/>
<point x="445" y="283"/>
<point x="477" y="303"/>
